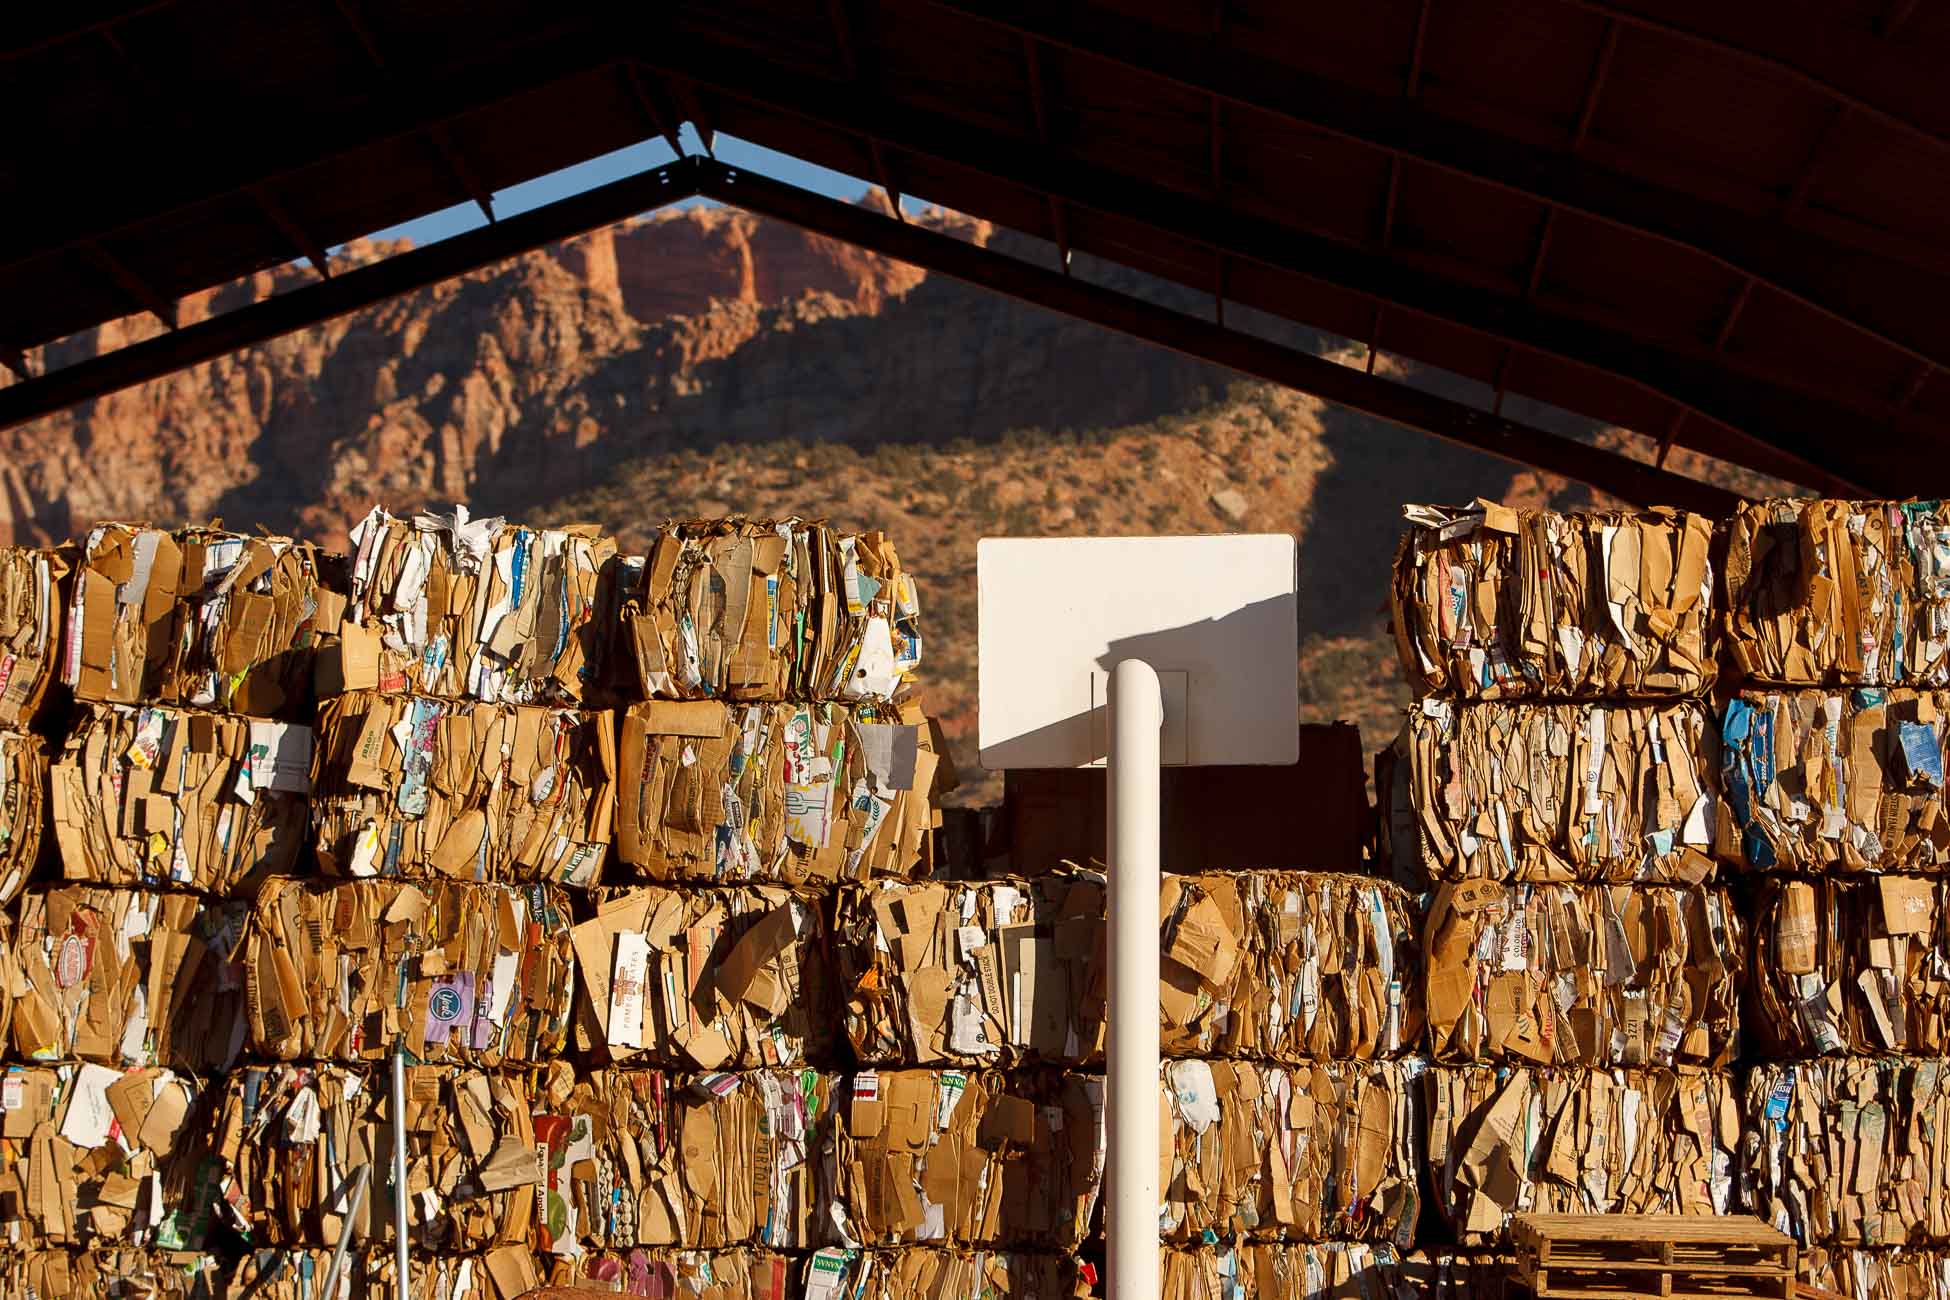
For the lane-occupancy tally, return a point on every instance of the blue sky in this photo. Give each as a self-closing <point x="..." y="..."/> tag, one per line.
<point x="623" y="162"/>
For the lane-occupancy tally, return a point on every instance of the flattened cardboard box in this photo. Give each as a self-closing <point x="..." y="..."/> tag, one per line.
<point x="1852" y="966"/>
<point x="784" y="793"/>
<point x="110" y="1273"/>
<point x="289" y="1140"/>
<point x="919" y="1273"/>
<point x="1497" y="603"/>
<point x="468" y="974"/>
<point x="731" y="978"/>
<point x="1331" y="1271"/>
<point x="969" y="1158"/>
<point x="645" y="1157"/>
<point x="30" y="631"/>
<point x="1900" y="1273"/>
<point x="23" y="809"/>
<point x="1641" y="1141"/>
<point x="1593" y="792"/>
<point x="299" y="1273"/>
<point x="462" y="608"/>
<point x="1318" y="1152"/>
<point x="746" y="610"/>
<point x="199" y="617"/>
<point x="93" y="1154"/>
<point x="735" y="1273"/>
<point x="161" y="796"/>
<point x="1277" y="965"/>
<point x="1584" y="974"/>
<point x="1848" y="781"/>
<point x="1840" y="592"/>
<point x="1847" y="1151"/>
<point x="127" y="977"/>
<point x="408" y="785"/>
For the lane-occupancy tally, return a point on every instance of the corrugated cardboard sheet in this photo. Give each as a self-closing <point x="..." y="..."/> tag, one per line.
<point x="474" y="974"/>
<point x="111" y="1274"/>
<point x="1331" y="1271"/>
<point x="415" y="786"/>
<point x="1275" y="965"/>
<point x="30" y="630"/>
<point x="1835" y="781"/>
<point x="93" y="1154"/>
<point x="162" y="796"/>
<point x="1850" y="1151"/>
<point x="1651" y="1141"/>
<point x="289" y="1139"/>
<point x="735" y="1273"/>
<point x="644" y="1157"/>
<point x="1852" y="966"/>
<point x="1584" y="974"/>
<point x="1302" y="1153"/>
<point x="127" y="977"/>
<point x="741" y="610"/>
<point x="777" y="792"/>
<point x="23" y="809"/>
<point x="1496" y="603"/>
<point x="299" y="1273"/>
<point x="1840" y="592"/>
<point x="924" y="1274"/>
<point x="1894" y="1274"/>
<point x="198" y="617"/>
<point x="1564" y="791"/>
<point x="969" y="1158"/>
<point x="464" y="608"/>
<point x="729" y="978"/>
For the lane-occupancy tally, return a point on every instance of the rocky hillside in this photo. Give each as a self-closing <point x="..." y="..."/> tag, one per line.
<point x="707" y="361"/>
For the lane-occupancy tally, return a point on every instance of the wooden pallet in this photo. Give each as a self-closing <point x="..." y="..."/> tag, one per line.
<point x="1609" y="1256"/>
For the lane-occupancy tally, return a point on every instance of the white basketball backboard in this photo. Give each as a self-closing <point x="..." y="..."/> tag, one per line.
<point x="1216" y="616"/>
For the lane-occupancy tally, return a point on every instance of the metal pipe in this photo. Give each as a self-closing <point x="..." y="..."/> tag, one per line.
<point x="358" y="1202"/>
<point x="1131" y="1202"/>
<point x="403" y="1289"/>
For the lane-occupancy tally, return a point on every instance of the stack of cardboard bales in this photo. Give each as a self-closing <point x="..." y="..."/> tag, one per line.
<point x="1583" y="970"/>
<point x="1838" y="619"/>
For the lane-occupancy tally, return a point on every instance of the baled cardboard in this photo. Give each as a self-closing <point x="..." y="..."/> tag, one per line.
<point x="468" y="974"/>
<point x="1537" y="792"/>
<point x="734" y="1273"/>
<point x="159" y="796"/>
<point x="1265" y="1270"/>
<point x="783" y="793"/>
<point x="30" y="631"/>
<point x="299" y="1273"/>
<point x="1318" y="1152"/>
<point x="127" y="977"/>
<point x="919" y="1273"/>
<point x="110" y="1273"/>
<point x="1493" y="603"/>
<point x="23" y="809"/>
<point x="1584" y="974"/>
<point x="730" y="978"/>
<point x="1575" y="1141"/>
<point x="745" y="610"/>
<point x="1843" y="781"/>
<point x="1897" y="1273"/>
<point x="410" y="785"/>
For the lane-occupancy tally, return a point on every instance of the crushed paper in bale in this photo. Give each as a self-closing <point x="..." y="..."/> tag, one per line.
<point x="1637" y="1141"/>
<point x="1852" y="966"/>
<point x="127" y="977"/>
<point x="1894" y="1273"/>
<point x="92" y="1154"/>
<point x="920" y="1273"/>
<point x="649" y="1158"/>
<point x="734" y="1273"/>
<point x="1318" y="1152"/>
<point x="783" y="793"/>
<point x="1840" y="592"/>
<point x="300" y="1273"/>
<point x="1271" y="1270"/>
<point x="30" y="631"/>
<point x="969" y="1158"/>
<point x="290" y="1138"/>
<point x="1591" y="792"/>
<point x="1842" y="1151"/>
<point x="732" y="978"/>
<point x="23" y="810"/>
<point x="112" y="1273"/>
<point x="460" y="973"/>
<point x="409" y="785"/>
<point x="462" y="608"/>
<point x="161" y="796"/>
<point x="1494" y="603"/>
<point x="1820" y="781"/>
<point x="1584" y="974"/>
<point x="734" y="609"/>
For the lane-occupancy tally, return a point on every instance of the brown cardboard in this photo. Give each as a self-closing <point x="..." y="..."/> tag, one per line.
<point x="1332" y="1271"/>
<point x="920" y="1273"/>
<point x="23" y="807"/>
<point x="30" y="631"/>
<point x="1899" y="1273"/>
<point x="109" y="1272"/>
<point x="733" y="1273"/>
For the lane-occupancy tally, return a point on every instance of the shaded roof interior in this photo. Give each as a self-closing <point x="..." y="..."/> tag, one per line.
<point x="1723" y="230"/>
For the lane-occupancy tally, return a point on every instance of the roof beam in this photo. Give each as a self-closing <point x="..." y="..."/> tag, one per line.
<point x="288" y="226"/>
<point x="838" y="12"/>
<point x="1797" y="427"/>
<point x="36" y="28"/>
<point x="349" y="291"/>
<point x="137" y="289"/>
<point x="1032" y="54"/>
<point x="1621" y="476"/>
<point x="662" y="115"/>
<point x="1787" y="260"/>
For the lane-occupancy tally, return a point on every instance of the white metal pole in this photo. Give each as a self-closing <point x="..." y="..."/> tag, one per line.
<point x="403" y="1288"/>
<point x="1131" y="899"/>
<point x="348" y="1228"/>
